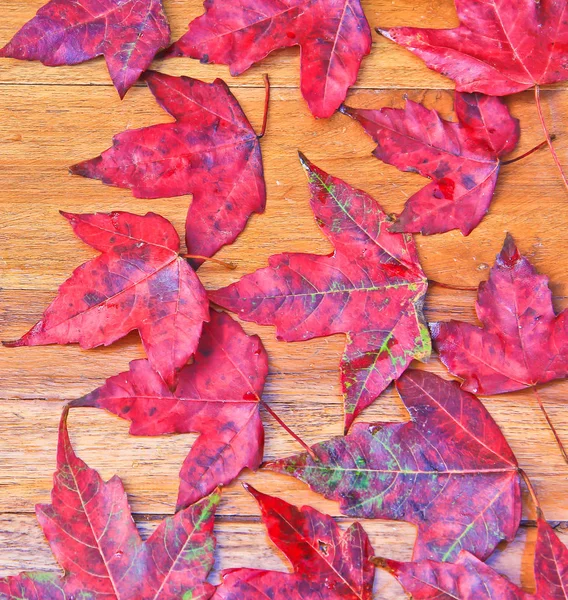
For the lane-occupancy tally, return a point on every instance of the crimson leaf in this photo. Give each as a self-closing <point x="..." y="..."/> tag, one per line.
<point x="371" y="288"/>
<point x="333" y="34"/>
<point x="211" y="151"/>
<point x="522" y="341"/>
<point x="91" y="533"/>
<point x="501" y="47"/>
<point x="461" y="158"/>
<point x="128" y="33"/>
<point x="328" y="564"/>
<point x="138" y="282"/>
<point x="217" y="396"/>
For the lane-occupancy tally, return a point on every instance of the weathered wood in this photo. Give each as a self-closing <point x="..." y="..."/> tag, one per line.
<point x="52" y="118"/>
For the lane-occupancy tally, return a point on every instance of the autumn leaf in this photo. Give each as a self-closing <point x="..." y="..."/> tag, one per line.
<point x="521" y="342"/>
<point x="128" y="33"/>
<point x="138" y="282"/>
<point x="217" y="396"/>
<point x="470" y="579"/>
<point x="462" y="158"/>
<point x="500" y="47"/>
<point x="93" y="536"/>
<point x="371" y="288"/>
<point x="333" y="35"/>
<point x="448" y="470"/>
<point x="328" y="564"/>
<point x="211" y="151"/>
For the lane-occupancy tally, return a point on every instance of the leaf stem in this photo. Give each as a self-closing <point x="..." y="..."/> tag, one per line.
<point x="447" y="286"/>
<point x="223" y="263"/>
<point x="547" y="135"/>
<point x="532" y="491"/>
<point x="531" y="151"/>
<point x="266" y="103"/>
<point x="288" y="430"/>
<point x="552" y="428"/>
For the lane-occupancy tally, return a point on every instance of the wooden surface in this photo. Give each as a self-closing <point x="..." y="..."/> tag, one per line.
<point x="51" y="118"/>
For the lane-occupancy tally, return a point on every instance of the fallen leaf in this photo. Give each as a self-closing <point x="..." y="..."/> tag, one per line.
<point x="333" y="35"/>
<point x="128" y="33"/>
<point x="462" y="158"/>
<point x="371" y="288"/>
<point x="93" y="536"/>
<point x="138" y="282"/>
<point x="211" y="152"/>
<point x="500" y="47"/>
<point x="328" y="564"/>
<point x="448" y="470"/>
<point x="521" y="343"/>
<point x="470" y="579"/>
<point x="217" y="396"/>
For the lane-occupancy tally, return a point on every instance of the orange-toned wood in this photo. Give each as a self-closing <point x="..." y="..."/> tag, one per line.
<point x="51" y="118"/>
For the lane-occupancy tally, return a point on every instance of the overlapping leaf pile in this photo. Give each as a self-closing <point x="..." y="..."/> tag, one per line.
<point x="448" y="469"/>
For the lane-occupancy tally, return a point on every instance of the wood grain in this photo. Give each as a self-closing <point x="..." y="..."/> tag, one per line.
<point x="51" y="118"/>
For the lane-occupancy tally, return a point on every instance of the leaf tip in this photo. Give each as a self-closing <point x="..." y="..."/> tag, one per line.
<point x="304" y="161"/>
<point x="509" y="254"/>
<point x="384" y="32"/>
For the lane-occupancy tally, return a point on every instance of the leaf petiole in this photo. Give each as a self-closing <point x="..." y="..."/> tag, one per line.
<point x="548" y="138"/>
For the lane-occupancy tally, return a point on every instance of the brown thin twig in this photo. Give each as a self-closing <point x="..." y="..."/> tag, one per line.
<point x="531" y="151"/>
<point x="288" y="430"/>
<point x="223" y="263"/>
<point x="552" y="428"/>
<point x="266" y="103"/>
<point x="532" y="492"/>
<point x="547" y="135"/>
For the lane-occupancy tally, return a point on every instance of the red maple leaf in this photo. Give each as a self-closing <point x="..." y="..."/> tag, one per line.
<point x="328" y="564"/>
<point x="128" y="33"/>
<point x="217" y="396"/>
<point x="470" y="579"/>
<point x="93" y="536"/>
<point x="501" y="47"/>
<point x="138" y="282"/>
<point x="449" y="471"/>
<point x="334" y="36"/>
<point x="461" y="158"/>
<point x="211" y="152"/>
<point x="371" y="288"/>
<point x="521" y="343"/>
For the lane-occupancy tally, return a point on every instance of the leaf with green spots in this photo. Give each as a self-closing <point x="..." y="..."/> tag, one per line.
<point x="448" y="470"/>
<point x="371" y="288"/>
<point x="93" y="536"/>
<point x="470" y="579"/>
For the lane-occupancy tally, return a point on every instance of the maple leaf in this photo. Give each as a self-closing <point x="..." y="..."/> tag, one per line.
<point x="448" y="470"/>
<point x="334" y="36"/>
<point x="138" y="282"/>
<point x="500" y="47"/>
<point x="471" y="579"/>
<point x="371" y="288"/>
<point x="521" y="343"/>
<point x="211" y="152"/>
<point x="93" y="536"/>
<point x="461" y="158"/>
<point x="328" y="564"/>
<point x="128" y="33"/>
<point x="217" y="396"/>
